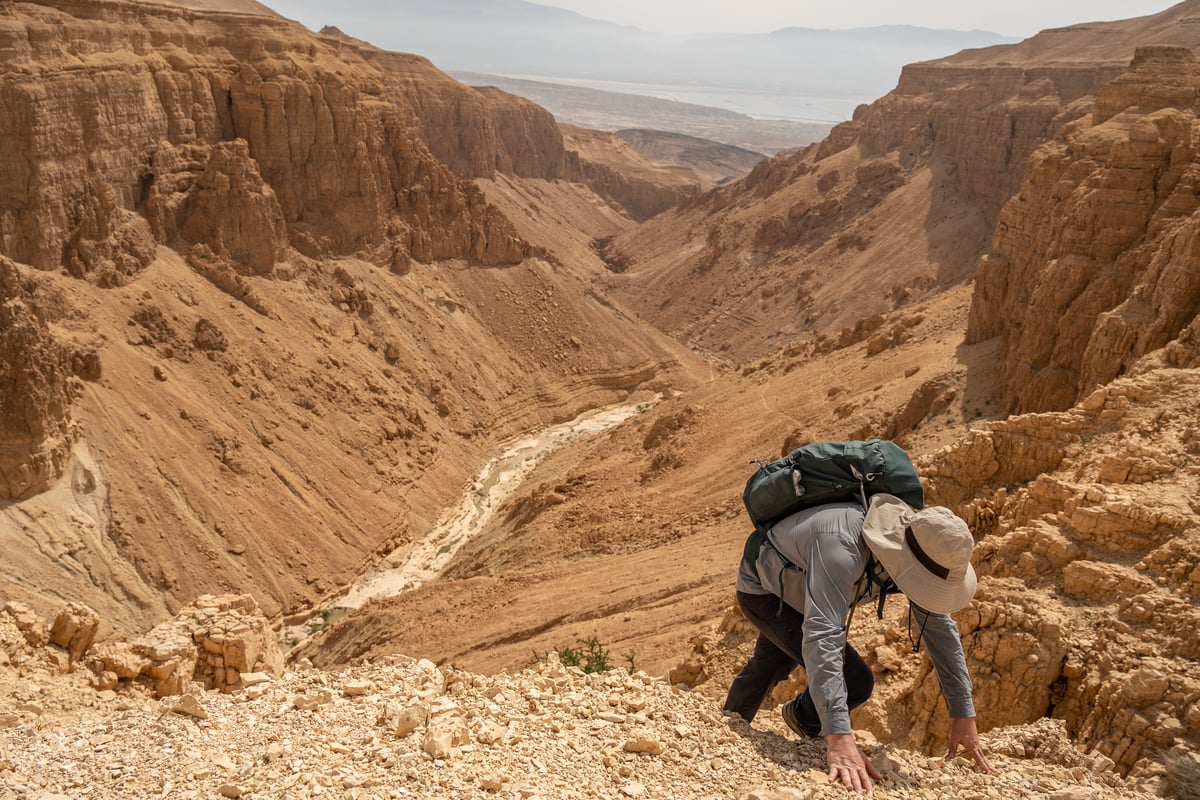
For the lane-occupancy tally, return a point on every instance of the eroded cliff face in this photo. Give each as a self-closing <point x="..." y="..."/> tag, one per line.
<point x="39" y="379"/>
<point x="1089" y="557"/>
<point x="1093" y="264"/>
<point x="895" y="204"/>
<point x="118" y="111"/>
<point x="977" y="124"/>
<point x="123" y="123"/>
<point x="1088" y="554"/>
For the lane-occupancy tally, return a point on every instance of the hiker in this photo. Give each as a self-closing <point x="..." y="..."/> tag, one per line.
<point x="810" y="571"/>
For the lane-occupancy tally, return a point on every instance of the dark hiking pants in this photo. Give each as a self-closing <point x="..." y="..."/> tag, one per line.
<point x="776" y="653"/>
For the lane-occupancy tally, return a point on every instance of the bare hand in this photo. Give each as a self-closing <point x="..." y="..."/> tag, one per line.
<point x="964" y="734"/>
<point x="849" y="765"/>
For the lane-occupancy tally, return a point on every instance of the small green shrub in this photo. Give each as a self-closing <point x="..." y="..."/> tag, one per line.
<point x="591" y="657"/>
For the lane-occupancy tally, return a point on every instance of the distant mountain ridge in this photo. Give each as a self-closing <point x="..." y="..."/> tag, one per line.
<point x="613" y="111"/>
<point x="517" y="38"/>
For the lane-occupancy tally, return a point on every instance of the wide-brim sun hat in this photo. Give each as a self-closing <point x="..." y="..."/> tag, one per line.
<point x="927" y="552"/>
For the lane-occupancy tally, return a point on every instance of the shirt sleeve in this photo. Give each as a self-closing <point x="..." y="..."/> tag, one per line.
<point x="834" y="564"/>
<point x="941" y="637"/>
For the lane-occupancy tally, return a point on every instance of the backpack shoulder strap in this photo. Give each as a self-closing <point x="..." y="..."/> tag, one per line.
<point x="873" y="575"/>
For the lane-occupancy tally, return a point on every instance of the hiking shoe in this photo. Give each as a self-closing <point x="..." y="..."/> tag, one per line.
<point x="788" y="712"/>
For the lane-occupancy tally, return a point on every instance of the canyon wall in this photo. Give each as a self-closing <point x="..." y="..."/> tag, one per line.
<point x="1093" y="263"/>
<point x="118" y="111"/>
<point x="1089" y="563"/>
<point x="120" y="121"/>
<point x="895" y="205"/>
<point x="39" y="379"/>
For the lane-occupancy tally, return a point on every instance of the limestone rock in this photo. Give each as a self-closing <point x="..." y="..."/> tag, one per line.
<point x="643" y="744"/>
<point x="74" y="629"/>
<point x="28" y="623"/>
<point x="1100" y="546"/>
<point x="640" y="198"/>
<point x="443" y="737"/>
<point x="409" y="719"/>
<point x="961" y="129"/>
<point x="249" y="746"/>
<point x="213" y="641"/>
<point x="37" y="388"/>
<point x="119" y="658"/>
<point x="930" y="399"/>
<point x="1160" y="76"/>
<point x="1075" y="310"/>
<point x="216" y="146"/>
<point x="189" y="706"/>
<point x="214" y="195"/>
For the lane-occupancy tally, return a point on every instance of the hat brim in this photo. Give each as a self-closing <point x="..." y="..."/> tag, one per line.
<point x="883" y="530"/>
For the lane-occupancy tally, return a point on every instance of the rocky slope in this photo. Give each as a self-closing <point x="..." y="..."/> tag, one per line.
<point x="1086" y="523"/>
<point x="406" y="727"/>
<point x="713" y="161"/>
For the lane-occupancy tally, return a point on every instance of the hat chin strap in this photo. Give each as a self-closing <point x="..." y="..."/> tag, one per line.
<point x="923" y="557"/>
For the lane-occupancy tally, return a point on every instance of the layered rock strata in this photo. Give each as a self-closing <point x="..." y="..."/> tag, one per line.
<point x="101" y="98"/>
<point x="161" y="160"/>
<point x="895" y="204"/>
<point x="1093" y="263"/>
<point x="39" y="379"/>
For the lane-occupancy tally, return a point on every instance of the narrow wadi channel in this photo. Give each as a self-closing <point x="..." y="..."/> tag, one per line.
<point x="414" y="564"/>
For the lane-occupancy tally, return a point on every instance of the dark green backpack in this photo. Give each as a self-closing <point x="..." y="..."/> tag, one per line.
<point x="827" y="472"/>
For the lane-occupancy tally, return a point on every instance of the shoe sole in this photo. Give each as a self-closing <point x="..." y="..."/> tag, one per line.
<point x="789" y="719"/>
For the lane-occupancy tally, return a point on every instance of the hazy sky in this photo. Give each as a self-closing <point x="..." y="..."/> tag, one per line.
<point x="1010" y="17"/>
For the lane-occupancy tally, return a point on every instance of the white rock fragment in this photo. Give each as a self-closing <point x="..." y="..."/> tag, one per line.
<point x="489" y="732"/>
<point x="188" y="705"/>
<point x="643" y="744"/>
<point x="312" y="700"/>
<point x="491" y="783"/>
<point x="410" y="718"/>
<point x="445" y="736"/>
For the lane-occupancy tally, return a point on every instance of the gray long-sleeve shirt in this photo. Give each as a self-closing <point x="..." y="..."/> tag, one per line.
<point x="813" y="560"/>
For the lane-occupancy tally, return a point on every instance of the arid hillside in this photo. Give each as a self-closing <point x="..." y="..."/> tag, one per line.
<point x="292" y="329"/>
<point x="259" y="325"/>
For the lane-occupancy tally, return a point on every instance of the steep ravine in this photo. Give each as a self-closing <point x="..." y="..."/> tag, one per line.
<point x="426" y="557"/>
<point x="283" y="326"/>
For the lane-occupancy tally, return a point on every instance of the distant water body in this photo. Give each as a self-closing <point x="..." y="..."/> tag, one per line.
<point x="759" y="104"/>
